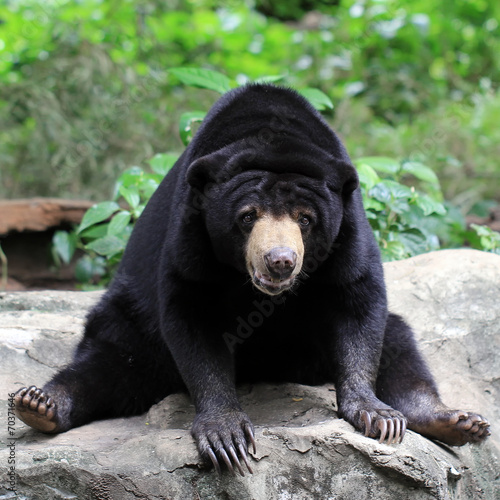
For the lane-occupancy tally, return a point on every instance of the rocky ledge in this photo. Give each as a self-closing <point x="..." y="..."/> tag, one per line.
<point x="451" y="298"/>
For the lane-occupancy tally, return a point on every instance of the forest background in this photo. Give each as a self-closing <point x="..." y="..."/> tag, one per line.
<point x="87" y="92"/>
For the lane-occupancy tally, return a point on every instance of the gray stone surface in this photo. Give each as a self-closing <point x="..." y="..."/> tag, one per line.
<point x="452" y="300"/>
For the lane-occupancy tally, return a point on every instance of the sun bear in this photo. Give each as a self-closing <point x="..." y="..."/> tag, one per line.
<point x="253" y="261"/>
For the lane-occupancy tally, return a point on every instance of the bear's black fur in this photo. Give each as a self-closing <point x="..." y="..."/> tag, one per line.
<point x="183" y="313"/>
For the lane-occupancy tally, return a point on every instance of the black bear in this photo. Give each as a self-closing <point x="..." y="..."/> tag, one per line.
<point x="253" y="261"/>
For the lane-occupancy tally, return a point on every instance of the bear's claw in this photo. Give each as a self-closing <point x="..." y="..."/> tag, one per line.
<point x="389" y="424"/>
<point x="220" y="438"/>
<point x="213" y="458"/>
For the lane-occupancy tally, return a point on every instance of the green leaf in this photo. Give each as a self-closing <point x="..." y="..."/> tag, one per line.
<point x="148" y="187"/>
<point x="393" y="250"/>
<point x="420" y="171"/>
<point x="381" y="193"/>
<point x="87" y="268"/>
<point x="429" y="206"/>
<point x="481" y="230"/>
<point x="83" y="269"/>
<point x="131" y="195"/>
<point x="489" y="240"/>
<point x="186" y="125"/>
<point x="98" y="213"/>
<point x="118" y="223"/>
<point x="317" y="98"/>
<point x="138" y="211"/>
<point x="371" y="204"/>
<point x="371" y="215"/>
<point x="203" y="78"/>
<point x="388" y="190"/>
<point x="367" y="175"/>
<point x="398" y="191"/>
<point x="64" y="244"/>
<point x="131" y="177"/>
<point x="414" y="241"/>
<point x="108" y="245"/>
<point x="163" y="162"/>
<point x="400" y="205"/>
<point x="94" y="232"/>
<point x="269" y="79"/>
<point x="381" y="164"/>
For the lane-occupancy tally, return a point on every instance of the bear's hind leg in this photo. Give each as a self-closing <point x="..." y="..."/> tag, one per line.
<point x="103" y="381"/>
<point x="78" y="394"/>
<point x="405" y="382"/>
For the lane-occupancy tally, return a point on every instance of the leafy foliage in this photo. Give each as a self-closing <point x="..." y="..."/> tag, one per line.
<point x="489" y="240"/>
<point x="85" y="91"/>
<point x="203" y="78"/>
<point x="187" y="121"/>
<point x="106" y="227"/>
<point x="403" y="218"/>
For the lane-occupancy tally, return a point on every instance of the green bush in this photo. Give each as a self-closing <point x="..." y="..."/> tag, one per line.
<point x="403" y="218"/>
<point x="459" y="139"/>
<point x="106" y="227"/>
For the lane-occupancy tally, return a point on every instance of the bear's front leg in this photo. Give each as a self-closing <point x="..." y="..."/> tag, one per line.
<point x="357" y="348"/>
<point x="222" y="430"/>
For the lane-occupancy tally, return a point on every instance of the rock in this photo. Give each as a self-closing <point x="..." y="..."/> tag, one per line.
<point x="26" y="231"/>
<point x="304" y="451"/>
<point x="39" y="214"/>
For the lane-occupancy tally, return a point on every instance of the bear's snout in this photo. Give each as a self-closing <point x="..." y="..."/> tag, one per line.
<point x="280" y="262"/>
<point x="274" y="253"/>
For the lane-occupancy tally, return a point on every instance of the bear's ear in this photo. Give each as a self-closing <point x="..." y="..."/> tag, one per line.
<point x="344" y="179"/>
<point x="203" y="170"/>
<point x="211" y="168"/>
<point x="351" y="179"/>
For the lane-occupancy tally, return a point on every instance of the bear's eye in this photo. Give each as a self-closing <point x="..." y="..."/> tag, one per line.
<point x="248" y="218"/>
<point x="304" y="220"/>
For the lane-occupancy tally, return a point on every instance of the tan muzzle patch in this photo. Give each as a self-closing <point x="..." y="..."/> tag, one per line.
<point x="274" y="254"/>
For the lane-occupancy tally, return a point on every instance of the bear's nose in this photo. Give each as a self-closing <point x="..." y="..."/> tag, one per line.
<point x="280" y="261"/>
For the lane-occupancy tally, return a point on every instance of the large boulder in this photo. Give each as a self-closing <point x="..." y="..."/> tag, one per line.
<point x="304" y="451"/>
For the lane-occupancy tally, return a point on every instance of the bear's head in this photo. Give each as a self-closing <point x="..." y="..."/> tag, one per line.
<point x="273" y="212"/>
